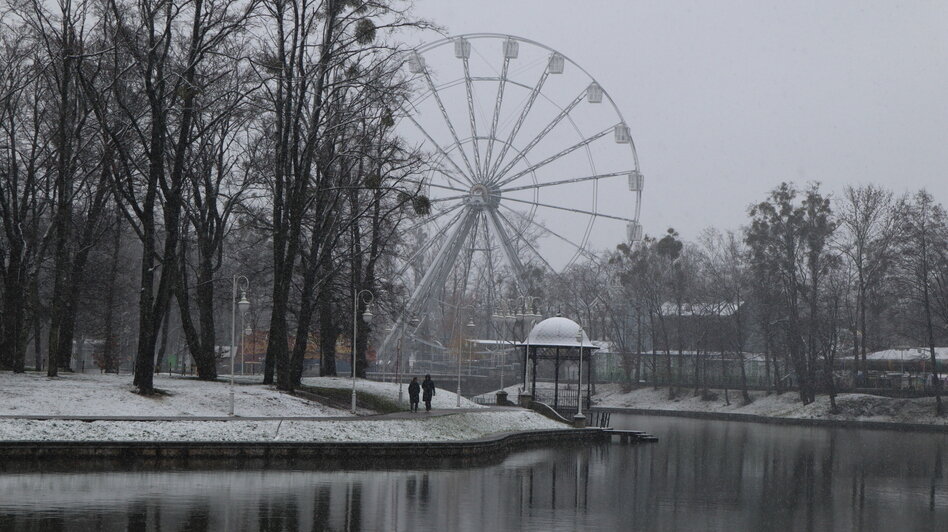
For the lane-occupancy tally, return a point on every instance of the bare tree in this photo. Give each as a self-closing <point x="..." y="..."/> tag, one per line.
<point x="730" y="284"/>
<point x="24" y="149"/>
<point x="867" y="238"/>
<point x="923" y="250"/>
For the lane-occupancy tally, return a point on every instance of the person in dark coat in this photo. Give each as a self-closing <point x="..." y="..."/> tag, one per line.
<point x="414" y="389"/>
<point x="428" y="386"/>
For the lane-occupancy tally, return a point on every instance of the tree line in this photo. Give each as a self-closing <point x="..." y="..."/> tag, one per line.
<point x="152" y="149"/>
<point x="810" y="278"/>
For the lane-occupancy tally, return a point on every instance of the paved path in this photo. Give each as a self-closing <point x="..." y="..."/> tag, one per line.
<point x="375" y="417"/>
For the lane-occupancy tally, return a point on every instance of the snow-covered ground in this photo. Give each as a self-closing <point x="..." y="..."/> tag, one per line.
<point x="443" y="399"/>
<point x="111" y="395"/>
<point x="852" y="406"/>
<point x="95" y="394"/>
<point x="421" y="427"/>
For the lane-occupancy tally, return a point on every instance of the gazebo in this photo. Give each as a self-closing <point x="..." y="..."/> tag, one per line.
<point x="564" y="343"/>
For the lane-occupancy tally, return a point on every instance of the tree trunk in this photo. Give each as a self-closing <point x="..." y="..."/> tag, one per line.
<point x="108" y="354"/>
<point x="163" y="344"/>
<point x="328" y="333"/>
<point x="930" y="332"/>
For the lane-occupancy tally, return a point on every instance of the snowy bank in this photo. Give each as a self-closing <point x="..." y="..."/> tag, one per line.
<point x="852" y="406"/>
<point x="423" y="428"/>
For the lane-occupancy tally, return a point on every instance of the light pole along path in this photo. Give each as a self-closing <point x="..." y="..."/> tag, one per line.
<point x="367" y="297"/>
<point x="243" y="305"/>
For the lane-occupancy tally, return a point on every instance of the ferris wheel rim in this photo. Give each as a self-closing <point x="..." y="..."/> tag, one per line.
<point x="471" y="36"/>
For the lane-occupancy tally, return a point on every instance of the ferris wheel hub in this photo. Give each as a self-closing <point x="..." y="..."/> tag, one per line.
<point x="482" y="195"/>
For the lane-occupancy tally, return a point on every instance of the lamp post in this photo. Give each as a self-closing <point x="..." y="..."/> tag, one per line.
<point x="527" y="312"/>
<point x="501" y="316"/>
<point x="367" y="297"/>
<point x="470" y="327"/>
<point x="243" y="305"/>
<point x="398" y="367"/>
<point x="243" y="345"/>
<point x="579" y="403"/>
<point x="398" y="360"/>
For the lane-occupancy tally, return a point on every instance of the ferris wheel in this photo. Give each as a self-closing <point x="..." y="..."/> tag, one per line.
<point x="530" y="163"/>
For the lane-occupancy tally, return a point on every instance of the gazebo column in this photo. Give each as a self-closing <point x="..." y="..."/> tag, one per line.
<point x="589" y="379"/>
<point x="556" y="380"/>
<point x="533" y="373"/>
<point x="525" y="396"/>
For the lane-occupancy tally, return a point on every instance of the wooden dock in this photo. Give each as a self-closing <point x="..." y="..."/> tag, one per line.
<point x="601" y="420"/>
<point x="630" y="436"/>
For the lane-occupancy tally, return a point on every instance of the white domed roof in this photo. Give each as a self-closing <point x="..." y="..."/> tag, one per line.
<point x="557" y="331"/>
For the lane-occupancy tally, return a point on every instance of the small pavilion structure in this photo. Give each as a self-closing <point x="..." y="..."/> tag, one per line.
<point x="558" y="349"/>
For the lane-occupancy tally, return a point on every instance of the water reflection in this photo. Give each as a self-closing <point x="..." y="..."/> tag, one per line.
<point x="702" y="475"/>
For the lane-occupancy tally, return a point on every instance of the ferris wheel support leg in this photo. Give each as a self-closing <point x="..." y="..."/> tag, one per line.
<point x="436" y="273"/>
<point x="509" y="251"/>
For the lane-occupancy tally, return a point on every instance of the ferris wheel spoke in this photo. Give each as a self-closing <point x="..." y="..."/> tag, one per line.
<point x="443" y="153"/>
<point x="510" y="252"/>
<point x="436" y="185"/>
<point x="570" y="209"/>
<point x="431" y="218"/>
<point x="536" y="253"/>
<point x="470" y="112"/>
<point x="554" y="157"/>
<point x="525" y="241"/>
<point x="565" y="181"/>
<point x="580" y="249"/>
<point x="536" y="140"/>
<point x="450" y="124"/>
<point x="498" y="103"/>
<point x="449" y="198"/>
<point x="519" y="123"/>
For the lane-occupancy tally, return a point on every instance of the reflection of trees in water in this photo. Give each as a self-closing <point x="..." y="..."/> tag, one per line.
<point x="701" y="475"/>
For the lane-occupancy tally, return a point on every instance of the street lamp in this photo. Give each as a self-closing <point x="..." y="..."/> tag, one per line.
<point x="366" y="296"/>
<point x="243" y="305"/>
<point x="528" y="313"/>
<point x="243" y="345"/>
<point x="470" y="328"/>
<point x="398" y="359"/>
<point x="579" y="403"/>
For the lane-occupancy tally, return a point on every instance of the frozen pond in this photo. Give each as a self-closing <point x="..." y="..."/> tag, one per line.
<point x="702" y="475"/>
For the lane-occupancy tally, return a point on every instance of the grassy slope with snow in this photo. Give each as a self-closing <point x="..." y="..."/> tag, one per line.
<point x="443" y="399"/>
<point x="852" y="406"/>
<point x="94" y="394"/>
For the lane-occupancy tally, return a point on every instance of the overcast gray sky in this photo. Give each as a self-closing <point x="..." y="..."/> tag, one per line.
<point x="725" y="99"/>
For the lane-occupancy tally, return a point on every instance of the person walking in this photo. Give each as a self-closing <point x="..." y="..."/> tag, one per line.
<point x="428" y="386"/>
<point x="413" y="390"/>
